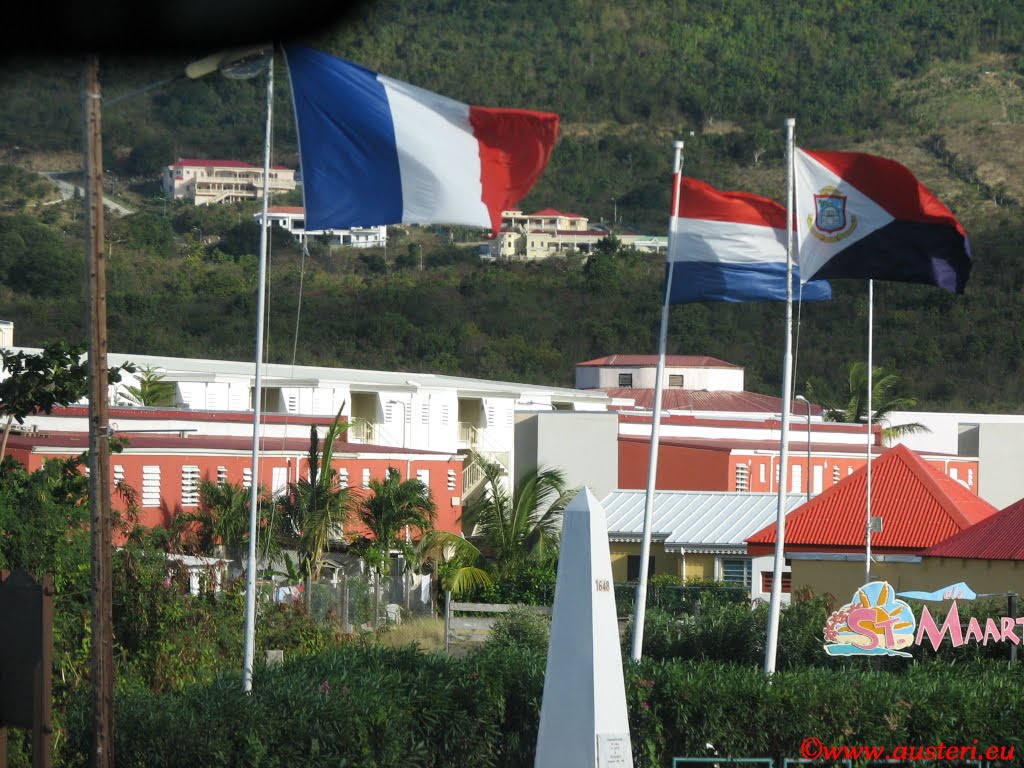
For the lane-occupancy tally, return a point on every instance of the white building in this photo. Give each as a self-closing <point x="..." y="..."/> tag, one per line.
<point x="293" y="219"/>
<point x="532" y="236"/>
<point x="206" y="182"/>
<point x="422" y="411"/>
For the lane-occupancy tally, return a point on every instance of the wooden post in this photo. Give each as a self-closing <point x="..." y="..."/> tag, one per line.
<point x="407" y="577"/>
<point x="447" y="617"/>
<point x="99" y="432"/>
<point x="376" y="601"/>
<point x="42" y="691"/>
<point x="346" y="627"/>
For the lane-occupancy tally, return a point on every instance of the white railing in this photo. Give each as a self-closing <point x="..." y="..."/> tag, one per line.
<point x="361" y="431"/>
<point x="469" y="435"/>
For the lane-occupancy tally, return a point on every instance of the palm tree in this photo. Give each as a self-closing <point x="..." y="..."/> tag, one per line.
<point x="524" y="526"/>
<point x="510" y="530"/>
<point x="314" y="510"/>
<point x="392" y="512"/>
<point x="851" y="407"/>
<point x="151" y="390"/>
<point x="223" y="518"/>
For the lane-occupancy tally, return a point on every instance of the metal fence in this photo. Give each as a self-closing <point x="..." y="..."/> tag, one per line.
<point x="360" y="603"/>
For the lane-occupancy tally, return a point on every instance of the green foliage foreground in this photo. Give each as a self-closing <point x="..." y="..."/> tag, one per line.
<point x="366" y="706"/>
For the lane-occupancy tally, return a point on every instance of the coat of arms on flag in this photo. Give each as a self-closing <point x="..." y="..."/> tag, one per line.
<point x="830" y="222"/>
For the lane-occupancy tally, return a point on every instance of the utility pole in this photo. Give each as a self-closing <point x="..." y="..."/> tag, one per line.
<point x="99" y="434"/>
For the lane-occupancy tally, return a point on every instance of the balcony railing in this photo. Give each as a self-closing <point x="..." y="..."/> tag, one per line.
<point x="361" y="431"/>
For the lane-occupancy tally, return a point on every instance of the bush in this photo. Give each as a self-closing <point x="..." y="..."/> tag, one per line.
<point x="366" y="706"/>
<point x="521" y="628"/>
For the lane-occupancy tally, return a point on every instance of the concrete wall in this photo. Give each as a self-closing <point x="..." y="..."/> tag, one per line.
<point x="584" y="446"/>
<point x="1000" y="475"/>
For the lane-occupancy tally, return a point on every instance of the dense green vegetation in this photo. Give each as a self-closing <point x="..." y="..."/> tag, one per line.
<point x="936" y="85"/>
<point x="362" y="705"/>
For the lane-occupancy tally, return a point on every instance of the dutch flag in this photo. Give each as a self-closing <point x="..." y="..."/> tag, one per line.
<point x="730" y="246"/>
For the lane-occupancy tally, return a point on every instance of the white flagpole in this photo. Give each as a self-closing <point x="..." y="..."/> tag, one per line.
<point x="250" y="574"/>
<point x="652" y="464"/>
<point x="787" y="376"/>
<point x="871" y="374"/>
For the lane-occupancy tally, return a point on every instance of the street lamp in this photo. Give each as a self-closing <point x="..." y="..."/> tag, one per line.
<point x="99" y="413"/>
<point x="807" y="402"/>
<point x="420" y="246"/>
<point x="615" y="211"/>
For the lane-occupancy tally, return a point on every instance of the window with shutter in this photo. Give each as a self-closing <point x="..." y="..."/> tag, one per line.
<point x="151" y="486"/>
<point x="736" y="571"/>
<point x="190" y="485"/>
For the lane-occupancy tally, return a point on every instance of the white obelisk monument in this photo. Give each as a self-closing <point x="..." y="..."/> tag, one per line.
<point x="583" y="720"/>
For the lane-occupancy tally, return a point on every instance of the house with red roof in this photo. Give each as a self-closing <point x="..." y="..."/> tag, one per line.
<point x="913" y="507"/>
<point x="206" y="182"/>
<point x="716" y="436"/>
<point x="987" y="556"/>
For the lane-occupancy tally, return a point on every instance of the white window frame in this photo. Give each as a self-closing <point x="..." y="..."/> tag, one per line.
<point x="151" y="490"/>
<point x="190" y="485"/>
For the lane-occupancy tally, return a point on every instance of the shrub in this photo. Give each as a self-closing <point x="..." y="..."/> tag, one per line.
<point x="521" y="628"/>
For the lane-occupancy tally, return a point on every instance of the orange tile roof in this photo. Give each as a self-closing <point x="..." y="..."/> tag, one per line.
<point x="919" y="507"/>
<point x="997" y="537"/>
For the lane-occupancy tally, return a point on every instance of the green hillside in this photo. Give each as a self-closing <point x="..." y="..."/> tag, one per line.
<point x="937" y="86"/>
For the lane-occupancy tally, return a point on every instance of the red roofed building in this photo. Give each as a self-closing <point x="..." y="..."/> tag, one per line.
<point x="916" y="505"/>
<point x="206" y="182"/>
<point x="715" y="436"/>
<point x="988" y="556"/>
<point x="165" y="469"/>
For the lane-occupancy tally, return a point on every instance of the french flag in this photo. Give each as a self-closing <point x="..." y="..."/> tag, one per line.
<point x="863" y="216"/>
<point x="730" y="246"/>
<point x="374" y="150"/>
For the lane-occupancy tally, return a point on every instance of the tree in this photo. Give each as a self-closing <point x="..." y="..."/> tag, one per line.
<point x="391" y="508"/>
<point x="56" y="376"/>
<point x="850" y="407"/>
<point x="314" y="510"/>
<point x="525" y="525"/>
<point x="508" y="532"/>
<point x="223" y="518"/>
<point x="152" y="390"/>
<point x="393" y="512"/>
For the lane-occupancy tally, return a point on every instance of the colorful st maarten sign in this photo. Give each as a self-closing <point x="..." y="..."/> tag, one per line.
<point x="876" y="622"/>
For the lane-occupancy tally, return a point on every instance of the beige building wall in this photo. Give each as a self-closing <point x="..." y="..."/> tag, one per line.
<point x="663" y="562"/>
<point x="699" y="567"/>
<point x="692" y="566"/>
<point x="842" y="579"/>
